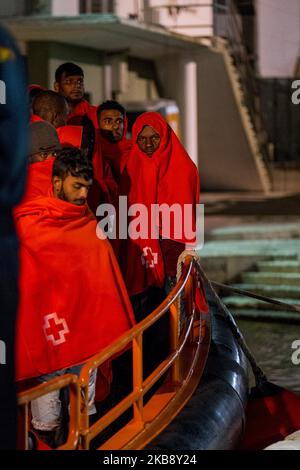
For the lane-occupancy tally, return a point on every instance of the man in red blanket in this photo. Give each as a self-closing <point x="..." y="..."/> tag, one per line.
<point x="115" y="146"/>
<point x="44" y="142"/>
<point x="69" y="82"/>
<point x="50" y="106"/>
<point x="44" y="147"/>
<point x="73" y="301"/>
<point x="104" y="189"/>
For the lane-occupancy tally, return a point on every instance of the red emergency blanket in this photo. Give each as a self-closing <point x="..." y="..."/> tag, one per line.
<point x="38" y="179"/>
<point x="83" y="109"/>
<point x="73" y="302"/>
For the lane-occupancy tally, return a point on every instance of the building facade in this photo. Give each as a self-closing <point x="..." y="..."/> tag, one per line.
<point x="210" y="57"/>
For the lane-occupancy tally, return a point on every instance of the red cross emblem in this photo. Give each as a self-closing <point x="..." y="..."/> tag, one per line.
<point x="149" y="259"/>
<point x="55" y="329"/>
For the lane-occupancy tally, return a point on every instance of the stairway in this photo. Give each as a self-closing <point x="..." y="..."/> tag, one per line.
<point x="278" y="278"/>
<point x="226" y="131"/>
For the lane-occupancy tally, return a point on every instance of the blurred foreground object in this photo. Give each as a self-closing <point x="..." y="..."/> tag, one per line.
<point x="13" y="149"/>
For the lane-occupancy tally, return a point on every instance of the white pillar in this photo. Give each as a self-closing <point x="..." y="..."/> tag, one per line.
<point x="69" y="8"/>
<point x="107" y="82"/>
<point x="189" y="122"/>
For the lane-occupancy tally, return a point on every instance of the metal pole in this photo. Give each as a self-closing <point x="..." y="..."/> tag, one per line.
<point x="190" y="108"/>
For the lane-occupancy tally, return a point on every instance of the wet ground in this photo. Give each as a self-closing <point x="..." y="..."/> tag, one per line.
<point x="271" y="344"/>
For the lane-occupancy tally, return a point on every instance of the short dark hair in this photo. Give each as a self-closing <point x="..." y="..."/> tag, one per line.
<point x="68" y="68"/>
<point x="72" y="162"/>
<point x="33" y="91"/>
<point x="110" y="104"/>
<point x="48" y="100"/>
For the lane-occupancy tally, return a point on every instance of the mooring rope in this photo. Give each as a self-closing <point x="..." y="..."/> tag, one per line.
<point x="259" y="375"/>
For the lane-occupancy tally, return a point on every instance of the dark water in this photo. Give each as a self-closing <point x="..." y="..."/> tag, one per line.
<point x="270" y="344"/>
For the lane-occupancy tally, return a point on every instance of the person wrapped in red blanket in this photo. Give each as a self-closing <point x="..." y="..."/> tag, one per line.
<point x="69" y="82"/>
<point x="158" y="173"/>
<point x="73" y="301"/>
<point x="112" y="133"/>
<point x="51" y="107"/>
<point x="44" y="147"/>
<point x="104" y="188"/>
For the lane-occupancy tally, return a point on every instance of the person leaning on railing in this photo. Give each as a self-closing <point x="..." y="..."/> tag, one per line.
<point x="73" y="300"/>
<point x="158" y="171"/>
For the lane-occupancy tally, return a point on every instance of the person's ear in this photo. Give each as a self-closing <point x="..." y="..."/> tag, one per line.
<point x="56" y="87"/>
<point x="54" y="118"/>
<point x="50" y="116"/>
<point x="57" y="184"/>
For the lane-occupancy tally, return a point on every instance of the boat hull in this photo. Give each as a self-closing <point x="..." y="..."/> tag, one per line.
<point x="214" y="418"/>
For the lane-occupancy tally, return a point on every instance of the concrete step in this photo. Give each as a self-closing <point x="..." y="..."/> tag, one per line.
<point x="267" y="315"/>
<point x="284" y="257"/>
<point x="292" y="279"/>
<point x="259" y="231"/>
<point x="273" y="291"/>
<point x="243" y="302"/>
<point x="266" y="249"/>
<point x="283" y="266"/>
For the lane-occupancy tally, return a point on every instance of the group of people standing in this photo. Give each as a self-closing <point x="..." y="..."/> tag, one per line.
<point x="79" y="292"/>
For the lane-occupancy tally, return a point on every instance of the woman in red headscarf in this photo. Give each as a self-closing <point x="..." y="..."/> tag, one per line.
<point x="158" y="171"/>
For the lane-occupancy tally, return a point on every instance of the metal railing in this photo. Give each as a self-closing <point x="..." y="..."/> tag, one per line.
<point x="181" y="370"/>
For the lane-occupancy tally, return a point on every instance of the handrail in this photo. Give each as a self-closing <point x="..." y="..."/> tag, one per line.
<point x="140" y="386"/>
<point x="183" y="376"/>
<point x="236" y="42"/>
<point x="123" y="340"/>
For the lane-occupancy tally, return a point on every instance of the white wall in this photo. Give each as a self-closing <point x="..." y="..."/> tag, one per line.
<point x="65" y="8"/>
<point x="193" y="18"/>
<point x="278" y="37"/>
<point x="129" y="7"/>
<point x="93" y="80"/>
<point x="11" y="7"/>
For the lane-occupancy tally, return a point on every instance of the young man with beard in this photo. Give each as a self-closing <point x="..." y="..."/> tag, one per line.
<point x="69" y="82"/>
<point x="68" y="183"/>
<point x="115" y="146"/>
<point x="73" y="301"/>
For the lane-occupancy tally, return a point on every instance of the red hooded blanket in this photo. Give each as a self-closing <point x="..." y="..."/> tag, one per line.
<point x="168" y="177"/>
<point x="38" y="179"/>
<point x="73" y="301"/>
<point x="35" y="118"/>
<point x="83" y="109"/>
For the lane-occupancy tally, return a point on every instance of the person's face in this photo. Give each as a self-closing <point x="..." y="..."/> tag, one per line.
<point x="71" y="87"/>
<point x="72" y="189"/>
<point x="148" y="140"/>
<point x="42" y="156"/>
<point x="111" y="124"/>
